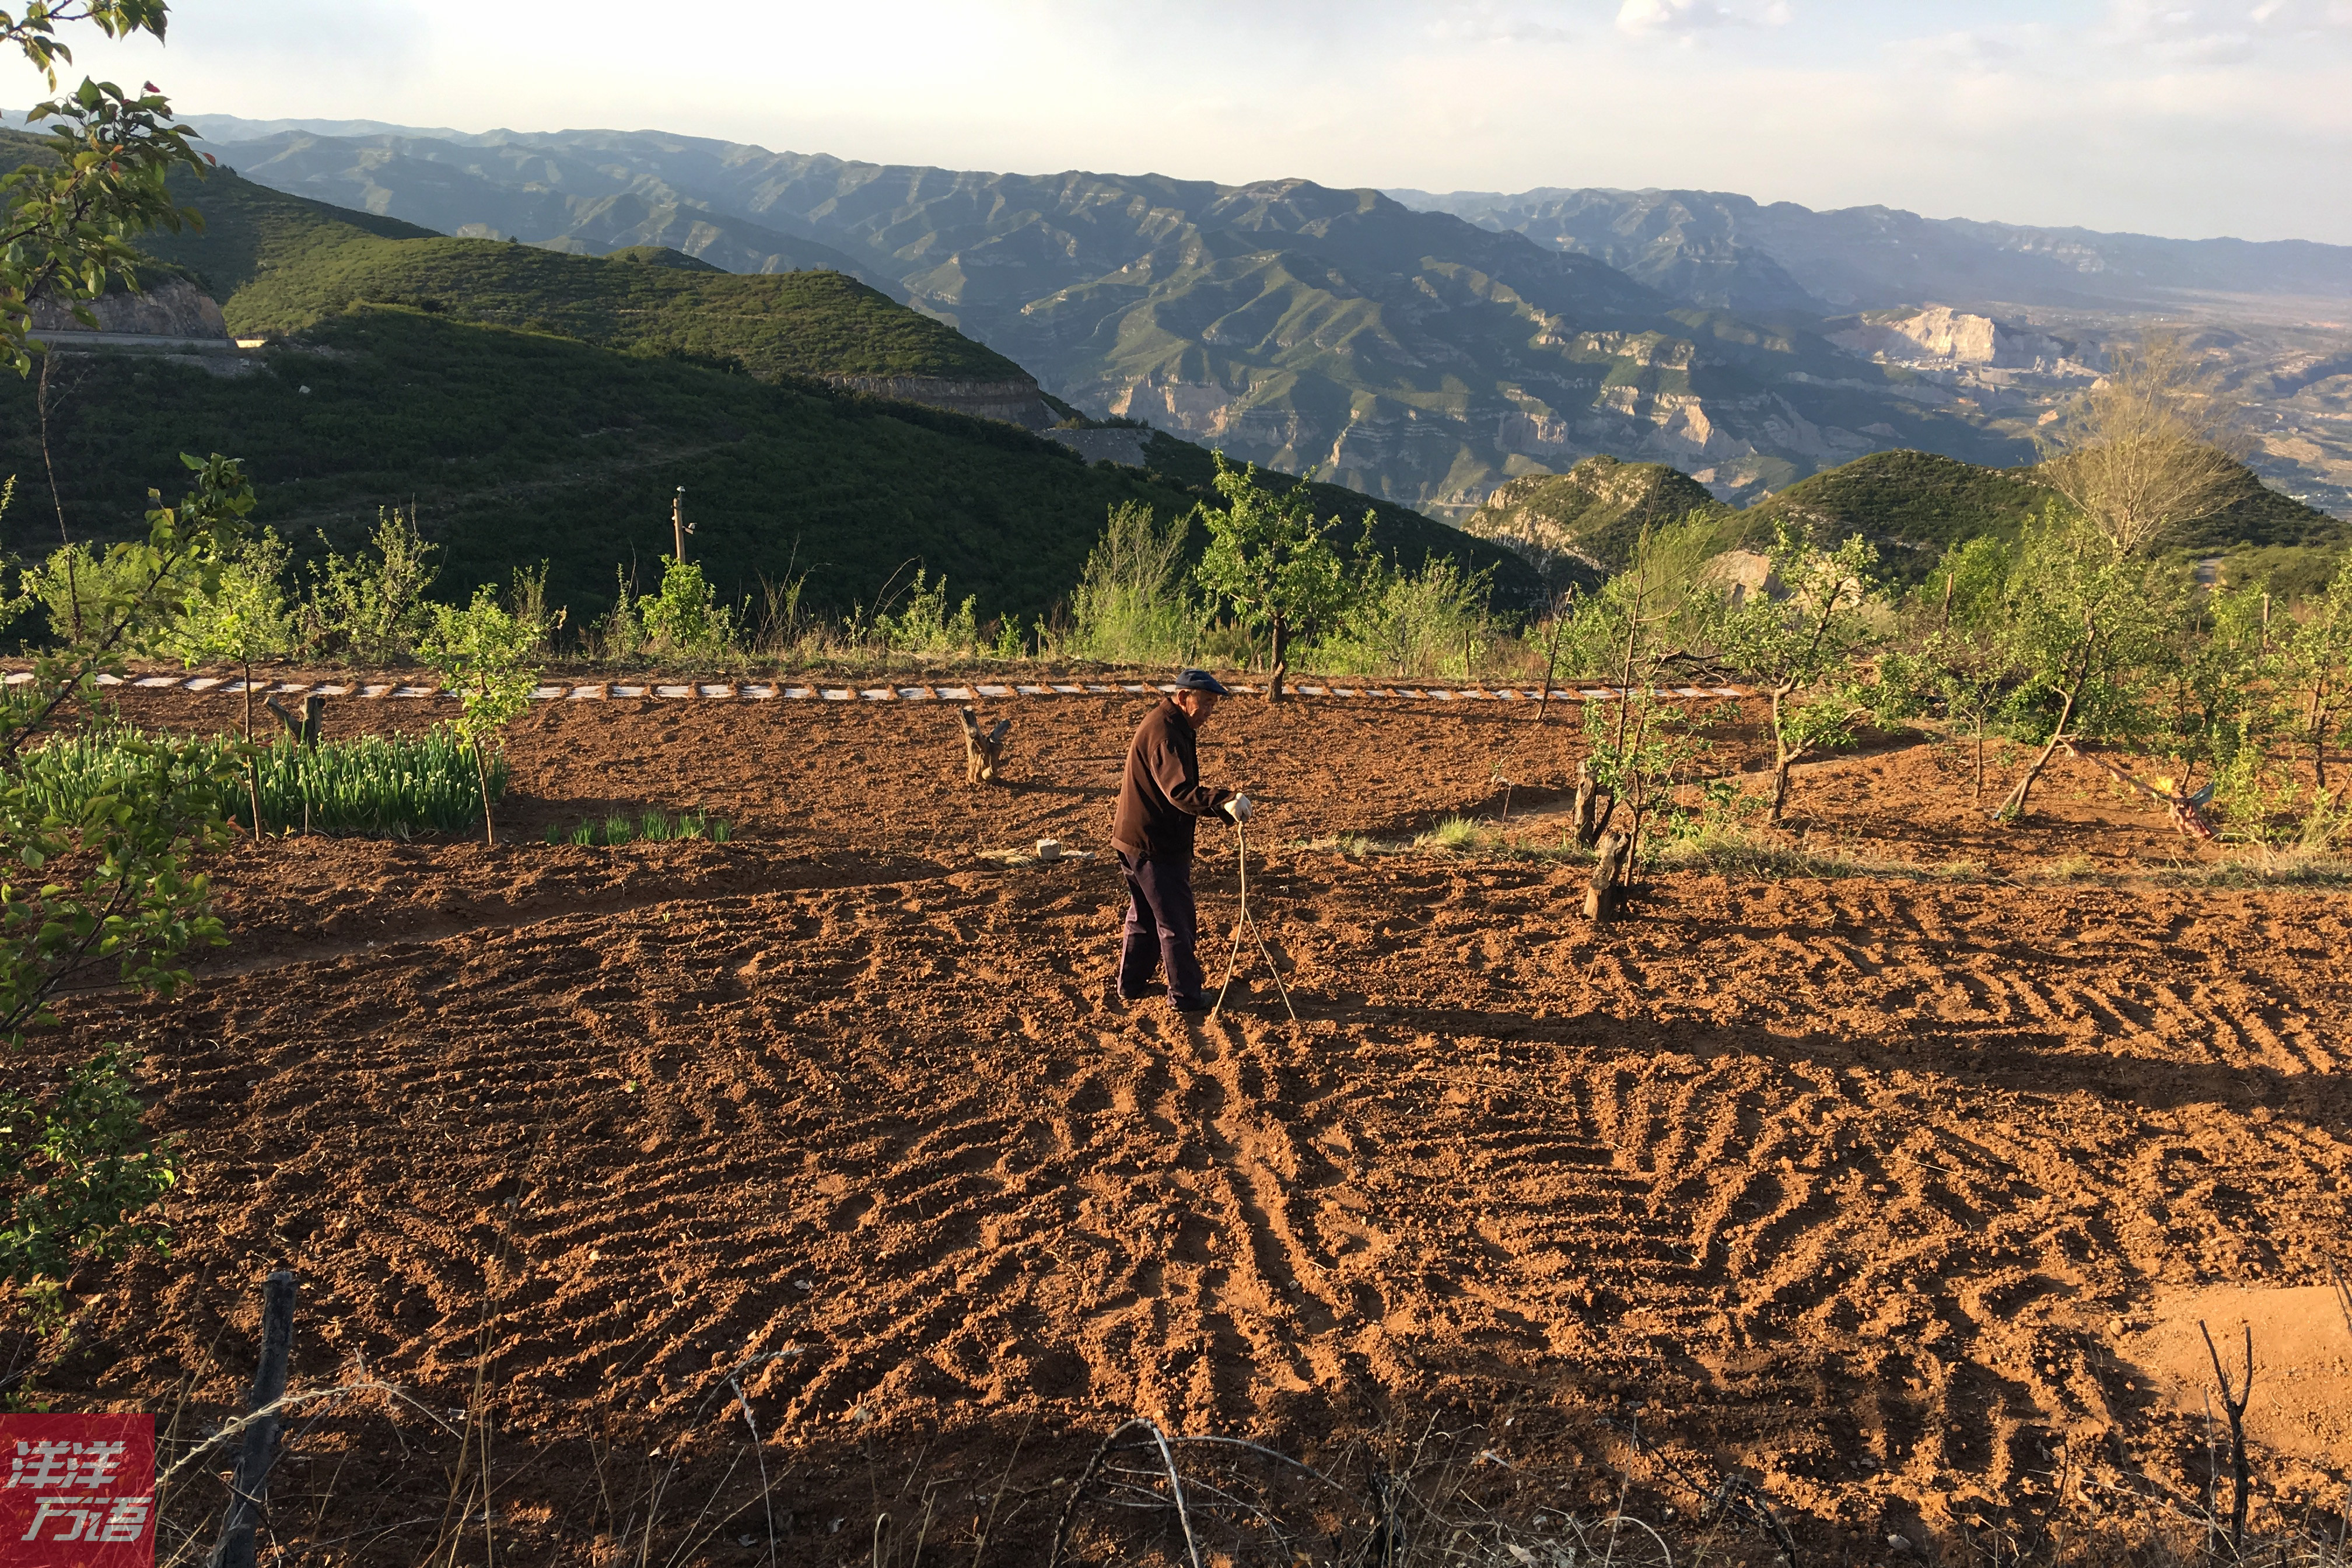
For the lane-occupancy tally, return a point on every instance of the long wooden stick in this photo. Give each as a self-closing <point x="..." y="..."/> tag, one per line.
<point x="250" y="1491"/>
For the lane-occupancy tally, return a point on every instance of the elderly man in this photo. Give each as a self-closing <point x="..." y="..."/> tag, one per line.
<point x="1161" y="798"/>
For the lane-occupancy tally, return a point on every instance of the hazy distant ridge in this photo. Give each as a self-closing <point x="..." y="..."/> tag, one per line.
<point x="1717" y="248"/>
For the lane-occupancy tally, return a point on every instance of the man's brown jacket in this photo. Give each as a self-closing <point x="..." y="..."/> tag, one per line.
<point x="1161" y="796"/>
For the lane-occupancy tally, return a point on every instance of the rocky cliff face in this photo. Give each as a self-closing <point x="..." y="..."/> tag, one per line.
<point x="172" y="309"/>
<point x="1940" y="333"/>
<point x="1016" y="401"/>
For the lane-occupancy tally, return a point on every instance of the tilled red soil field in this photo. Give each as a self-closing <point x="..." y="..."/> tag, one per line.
<point x="1860" y="1189"/>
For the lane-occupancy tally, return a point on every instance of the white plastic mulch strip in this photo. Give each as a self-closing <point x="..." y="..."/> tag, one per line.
<point x="721" y="691"/>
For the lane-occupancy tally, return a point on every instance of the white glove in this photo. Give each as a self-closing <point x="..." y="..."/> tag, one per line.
<point x="1238" y="808"/>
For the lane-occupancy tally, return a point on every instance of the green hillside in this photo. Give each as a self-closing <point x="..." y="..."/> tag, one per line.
<point x="520" y="446"/>
<point x="1579" y="526"/>
<point x="541" y="405"/>
<point x="1408" y="354"/>
<point x="788" y="323"/>
<point x="1916" y="505"/>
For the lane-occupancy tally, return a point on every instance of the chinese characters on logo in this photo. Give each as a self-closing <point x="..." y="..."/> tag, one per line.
<point x="80" y="1491"/>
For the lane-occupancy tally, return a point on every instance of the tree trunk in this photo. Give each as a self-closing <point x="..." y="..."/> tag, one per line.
<point x="1281" y="661"/>
<point x="1781" y="758"/>
<point x="2319" y="717"/>
<point x="2013" y="808"/>
<point x="482" y="777"/>
<point x="1606" y="890"/>
<point x="1977" y="793"/>
<point x="1587" y="788"/>
<point x="1551" y="665"/>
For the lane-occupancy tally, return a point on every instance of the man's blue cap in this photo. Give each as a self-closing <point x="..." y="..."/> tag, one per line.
<point x="1199" y="680"/>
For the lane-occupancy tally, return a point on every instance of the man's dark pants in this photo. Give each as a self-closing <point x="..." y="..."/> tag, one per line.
<point x="1160" y="929"/>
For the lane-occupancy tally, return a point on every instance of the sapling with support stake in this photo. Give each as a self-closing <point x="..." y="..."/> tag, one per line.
<point x="480" y="651"/>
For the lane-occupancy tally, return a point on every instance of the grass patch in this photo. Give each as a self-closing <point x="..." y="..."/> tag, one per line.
<point x="394" y="784"/>
<point x="651" y="827"/>
<point x="1457" y="835"/>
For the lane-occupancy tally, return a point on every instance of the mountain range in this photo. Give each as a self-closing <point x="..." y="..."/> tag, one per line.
<point x="1413" y="355"/>
<point x="1421" y="347"/>
<point x="1708" y="248"/>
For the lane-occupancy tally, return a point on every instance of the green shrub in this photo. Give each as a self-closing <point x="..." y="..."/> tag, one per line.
<point x="371" y="606"/>
<point x="926" y="627"/>
<point x="1414" y="625"/>
<point x="1129" y="605"/>
<point x="685" y="618"/>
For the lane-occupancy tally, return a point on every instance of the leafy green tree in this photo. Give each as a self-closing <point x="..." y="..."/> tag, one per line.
<point x="483" y="650"/>
<point x="2218" y="712"/>
<point x="1271" y="559"/>
<point x="1800" y="649"/>
<point x="67" y="218"/>
<point x="2086" y="621"/>
<point x="106" y="887"/>
<point x="1631" y="633"/>
<point x="2314" y="667"/>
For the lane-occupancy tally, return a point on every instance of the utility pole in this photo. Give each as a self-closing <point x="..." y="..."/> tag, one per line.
<point x="677" y="523"/>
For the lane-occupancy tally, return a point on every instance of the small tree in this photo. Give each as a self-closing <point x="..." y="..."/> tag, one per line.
<point x="1272" y="561"/>
<point x="2313" y="664"/>
<point x="1642" y="619"/>
<point x="2218" y="714"/>
<point x="241" y="616"/>
<point x="1800" y="649"/>
<point x="2146" y="451"/>
<point x="685" y="618"/>
<point x="1956" y="656"/>
<point x="109" y="890"/>
<point x="482" y="650"/>
<point x="2085" y="622"/>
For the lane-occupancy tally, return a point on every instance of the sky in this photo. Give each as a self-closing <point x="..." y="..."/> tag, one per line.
<point x="2188" y="118"/>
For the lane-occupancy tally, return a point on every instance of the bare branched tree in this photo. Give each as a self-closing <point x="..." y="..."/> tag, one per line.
<point x="2150" y="449"/>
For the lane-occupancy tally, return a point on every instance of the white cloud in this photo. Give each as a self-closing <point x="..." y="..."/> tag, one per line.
<point x="1682" y="18"/>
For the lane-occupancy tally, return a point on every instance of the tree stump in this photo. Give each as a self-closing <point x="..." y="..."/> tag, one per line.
<point x="1607" y="891"/>
<point x="304" y="729"/>
<point x="982" y="750"/>
<point x="1588" y="789"/>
